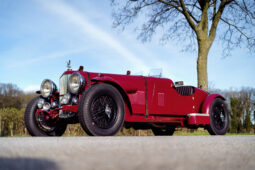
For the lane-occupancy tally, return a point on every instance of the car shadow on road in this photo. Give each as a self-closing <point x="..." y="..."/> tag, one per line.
<point x="27" y="164"/>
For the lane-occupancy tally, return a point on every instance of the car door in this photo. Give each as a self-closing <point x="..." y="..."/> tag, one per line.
<point x="158" y="96"/>
<point x="163" y="99"/>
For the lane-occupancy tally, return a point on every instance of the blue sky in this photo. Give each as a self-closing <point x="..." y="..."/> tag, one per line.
<point x="38" y="37"/>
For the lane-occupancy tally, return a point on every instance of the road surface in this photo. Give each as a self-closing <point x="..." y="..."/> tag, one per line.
<point x="128" y="153"/>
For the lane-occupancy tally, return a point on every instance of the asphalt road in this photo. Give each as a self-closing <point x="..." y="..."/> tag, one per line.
<point x="127" y="153"/>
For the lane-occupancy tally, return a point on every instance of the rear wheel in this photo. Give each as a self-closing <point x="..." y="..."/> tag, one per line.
<point x="163" y="132"/>
<point x="40" y="125"/>
<point x="219" y="118"/>
<point x="101" y="110"/>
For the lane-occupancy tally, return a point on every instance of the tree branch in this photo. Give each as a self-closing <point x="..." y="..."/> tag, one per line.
<point x="203" y="24"/>
<point x="216" y="19"/>
<point x="147" y="4"/>
<point x="170" y="4"/>
<point x="179" y="10"/>
<point x="237" y="28"/>
<point x="246" y="11"/>
<point x="194" y="6"/>
<point x="200" y="18"/>
<point x="193" y="17"/>
<point x="187" y="16"/>
<point x="214" y="8"/>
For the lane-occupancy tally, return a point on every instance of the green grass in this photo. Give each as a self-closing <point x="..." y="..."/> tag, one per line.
<point x="195" y="133"/>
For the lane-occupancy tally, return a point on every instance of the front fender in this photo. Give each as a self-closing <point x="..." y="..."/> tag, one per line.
<point x="103" y="78"/>
<point x="124" y="89"/>
<point x="208" y="101"/>
<point x="128" y="87"/>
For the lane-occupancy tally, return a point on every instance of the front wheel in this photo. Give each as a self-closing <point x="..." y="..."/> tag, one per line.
<point x="39" y="125"/>
<point x="219" y="118"/>
<point x="101" y="110"/>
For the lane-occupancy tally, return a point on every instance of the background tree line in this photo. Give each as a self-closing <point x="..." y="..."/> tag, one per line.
<point x="13" y="102"/>
<point x="241" y="105"/>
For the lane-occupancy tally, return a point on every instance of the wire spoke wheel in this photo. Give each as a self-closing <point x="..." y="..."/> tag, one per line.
<point x="45" y="123"/>
<point x="103" y="112"/>
<point x="219" y="118"/>
<point x="42" y="124"/>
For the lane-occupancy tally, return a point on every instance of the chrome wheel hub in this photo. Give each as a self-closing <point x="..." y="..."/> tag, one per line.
<point x="108" y="111"/>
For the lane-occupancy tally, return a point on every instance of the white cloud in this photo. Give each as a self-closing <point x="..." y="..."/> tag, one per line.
<point x="75" y="17"/>
<point x="58" y="54"/>
<point x="31" y="88"/>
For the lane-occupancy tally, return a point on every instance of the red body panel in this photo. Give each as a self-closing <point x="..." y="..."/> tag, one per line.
<point x="150" y="99"/>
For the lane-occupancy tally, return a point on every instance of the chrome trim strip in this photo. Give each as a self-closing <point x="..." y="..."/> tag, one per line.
<point x="198" y="114"/>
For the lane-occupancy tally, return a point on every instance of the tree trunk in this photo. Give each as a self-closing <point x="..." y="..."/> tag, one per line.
<point x="0" y="125"/>
<point x="202" y="77"/>
<point x="2" y="132"/>
<point x="254" y="118"/>
<point x="11" y="128"/>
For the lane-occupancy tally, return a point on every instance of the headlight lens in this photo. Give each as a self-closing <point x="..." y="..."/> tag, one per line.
<point x="48" y="87"/>
<point x="40" y="103"/>
<point x="46" y="106"/>
<point x="65" y="99"/>
<point x="76" y="83"/>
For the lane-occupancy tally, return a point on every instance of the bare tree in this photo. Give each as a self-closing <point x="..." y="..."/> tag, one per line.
<point x="10" y="96"/>
<point x="242" y="104"/>
<point x="192" y="21"/>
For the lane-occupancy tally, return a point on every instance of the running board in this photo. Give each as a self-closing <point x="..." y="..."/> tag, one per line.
<point x="198" y="119"/>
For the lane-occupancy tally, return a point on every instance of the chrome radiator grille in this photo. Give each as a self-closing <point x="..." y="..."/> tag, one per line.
<point x="63" y="84"/>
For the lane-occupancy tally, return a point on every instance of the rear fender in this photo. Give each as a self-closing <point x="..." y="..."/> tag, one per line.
<point x="208" y="101"/>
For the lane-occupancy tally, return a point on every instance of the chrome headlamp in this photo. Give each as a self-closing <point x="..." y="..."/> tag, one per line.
<point x="76" y="82"/>
<point x="48" y="87"/>
<point x="65" y="99"/>
<point x="40" y="103"/>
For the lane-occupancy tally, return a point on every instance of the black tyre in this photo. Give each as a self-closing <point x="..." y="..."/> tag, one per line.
<point x="37" y="125"/>
<point x="163" y="132"/>
<point x="219" y="118"/>
<point x="101" y="110"/>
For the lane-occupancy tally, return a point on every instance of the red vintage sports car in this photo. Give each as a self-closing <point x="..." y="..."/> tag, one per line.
<point x="103" y="103"/>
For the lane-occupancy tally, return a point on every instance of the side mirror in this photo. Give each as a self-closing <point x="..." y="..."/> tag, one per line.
<point x="178" y="83"/>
